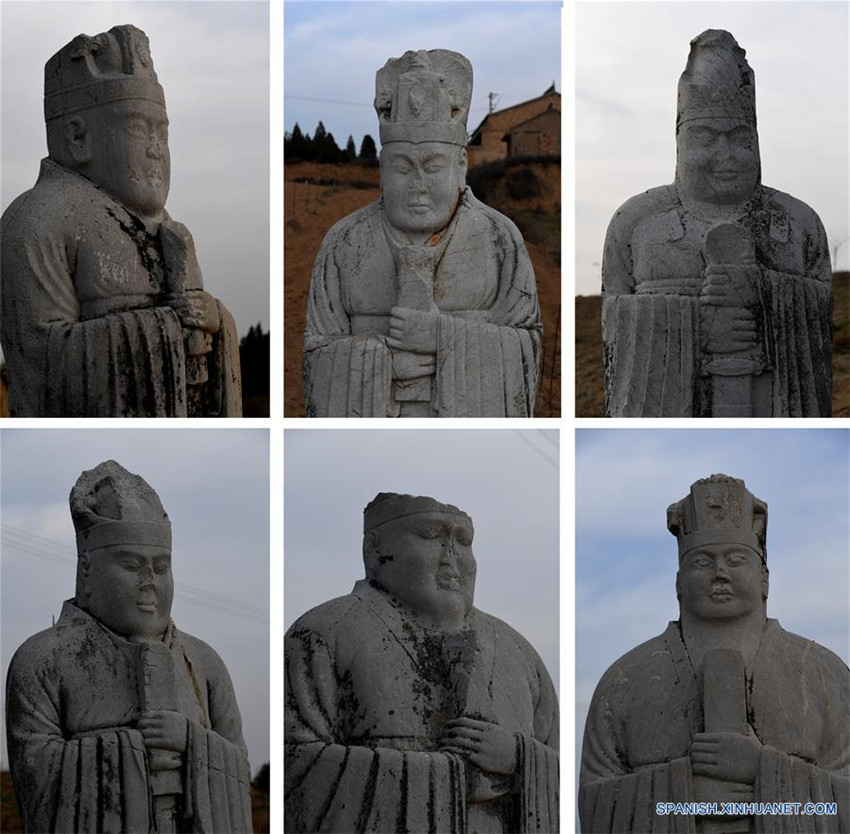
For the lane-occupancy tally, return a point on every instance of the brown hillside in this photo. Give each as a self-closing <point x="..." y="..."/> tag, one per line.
<point x="316" y="196"/>
<point x="589" y="373"/>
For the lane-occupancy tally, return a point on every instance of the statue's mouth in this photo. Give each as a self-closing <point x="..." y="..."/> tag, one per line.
<point x="448" y="580"/>
<point x="726" y="176"/>
<point x="721" y="592"/>
<point x="146" y="605"/>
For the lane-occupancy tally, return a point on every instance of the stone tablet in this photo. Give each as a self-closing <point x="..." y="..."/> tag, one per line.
<point x="423" y="304"/>
<point x="406" y="708"/>
<point x="116" y="720"/>
<point x="724" y="706"/>
<point x="716" y="290"/>
<point x="103" y="308"/>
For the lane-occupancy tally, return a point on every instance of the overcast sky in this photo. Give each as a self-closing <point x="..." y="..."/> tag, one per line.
<point x="212" y="59"/>
<point x="213" y="484"/>
<point x="332" y="51"/>
<point x="507" y="480"/>
<point x="626" y="560"/>
<point x="629" y="58"/>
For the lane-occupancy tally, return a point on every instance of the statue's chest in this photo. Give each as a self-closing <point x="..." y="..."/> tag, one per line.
<point x="117" y="263"/>
<point x="668" y="249"/>
<point x="464" y="278"/>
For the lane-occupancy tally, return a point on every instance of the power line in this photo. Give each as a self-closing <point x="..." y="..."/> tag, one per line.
<point x="51" y="551"/>
<point x="328" y="100"/>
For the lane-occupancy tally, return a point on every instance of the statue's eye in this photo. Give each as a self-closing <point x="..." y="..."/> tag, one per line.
<point x="131" y="565"/>
<point x="161" y="567"/>
<point x="429" y="533"/>
<point x="702" y="135"/>
<point x="434" y="167"/>
<point x="702" y="562"/>
<point x="736" y="559"/>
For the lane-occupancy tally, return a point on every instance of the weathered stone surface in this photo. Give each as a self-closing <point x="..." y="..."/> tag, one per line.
<point x="423" y="304"/>
<point x="716" y="289"/>
<point x="406" y="708"/>
<point x="116" y="720"/>
<point x="725" y="705"/>
<point x="103" y="308"/>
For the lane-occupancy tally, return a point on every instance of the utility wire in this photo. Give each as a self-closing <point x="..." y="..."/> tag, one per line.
<point x="51" y="551"/>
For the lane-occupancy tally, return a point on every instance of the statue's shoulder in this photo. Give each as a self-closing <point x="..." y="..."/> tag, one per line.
<point x="202" y="655"/>
<point x="637" y="663"/>
<point x="477" y="213"/>
<point x="799" y="652"/>
<point x="642" y="207"/>
<point x="49" y="648"/>
<point x="779" y="202"/>
<point x="327" y="619"/>
<point x="363" y="223"/>
<point x="58" y="198"/>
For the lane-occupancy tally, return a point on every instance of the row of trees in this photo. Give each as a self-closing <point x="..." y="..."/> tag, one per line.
<point x="323" y="147"/>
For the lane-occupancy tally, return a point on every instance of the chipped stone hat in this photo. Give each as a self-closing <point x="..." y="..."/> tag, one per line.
<point x="111" y="506"/>
<point x="90" y="71"/>
<point x="717" y="81"/>
<point x="424" y="96"/>
<point x="719" y="510"/>
<point x="388" y="506"/>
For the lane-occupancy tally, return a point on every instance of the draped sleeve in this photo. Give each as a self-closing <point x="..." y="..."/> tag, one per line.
<point x="333" y="786"/>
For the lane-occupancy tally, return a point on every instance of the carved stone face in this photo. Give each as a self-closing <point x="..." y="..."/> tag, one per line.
<point x="130" y="588"/>
<point x="425" y="561"/>
<point x="129" y="154"/>
<point x="421" y="184"/>
<point x="717" y="160"/>
<point x="721" y="581"/>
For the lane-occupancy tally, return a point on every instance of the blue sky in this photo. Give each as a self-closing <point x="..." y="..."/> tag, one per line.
<point x="332" y="51"/>
<point x="213" y="483"/>
<point x="626" y="560"/>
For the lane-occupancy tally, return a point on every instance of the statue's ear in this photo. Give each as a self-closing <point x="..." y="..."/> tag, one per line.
<point x="463" y="162"/>
<point x="83" y="574"/>
<point x="78" y="143"/>
<point x="765" y="580"/>
<point x="678" y="587"/>
<point x="370" y="543"/>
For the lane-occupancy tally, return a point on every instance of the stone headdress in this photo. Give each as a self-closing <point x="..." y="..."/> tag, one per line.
<point x="111" y="506"/>
<point x="719" y="510"/>
<point x="717" y="81"/>
<point x="424" y="96"/>
<point x="90" y="71"/>
<point x="388" y="506"/>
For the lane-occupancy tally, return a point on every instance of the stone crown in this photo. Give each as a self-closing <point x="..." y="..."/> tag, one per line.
<point x="719" y="510"/>
<point x="717" y="81"/>
<point x="389" y="506"/>
<point x="111" y="506"/>
<point x="424" y="96"/>
<point x="94" y="70"/>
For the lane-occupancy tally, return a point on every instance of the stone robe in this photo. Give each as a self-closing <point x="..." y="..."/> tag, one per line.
<point x="648" y="706"/>
<point x="78" y="762"/>
<point x="84" y="327"/>
<point x="652" y="274"/>
<point x="367" y="694"/>
<point x="489" y="339"/>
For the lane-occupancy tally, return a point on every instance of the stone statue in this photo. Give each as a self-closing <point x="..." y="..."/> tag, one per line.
<point x="423" y="304"/>
<point x="716" y="289"/>
<point x="103" y="308"/>
<point x="116" y="720"/>
<point x="406" y="708"/>
<point x="725" y="706"/>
